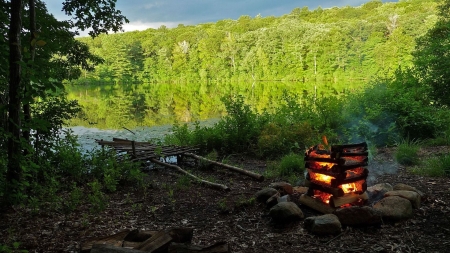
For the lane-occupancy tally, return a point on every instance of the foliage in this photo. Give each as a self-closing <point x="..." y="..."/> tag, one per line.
<point x="15" y="248"/>
<point x="431" y="58"/>
<point x="305" y="45"/>
<point x="290" y="166"/>
<point x="407" y="152"/>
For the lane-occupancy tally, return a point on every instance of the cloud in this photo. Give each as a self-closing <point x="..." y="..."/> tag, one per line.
<point x="170" y="13"/>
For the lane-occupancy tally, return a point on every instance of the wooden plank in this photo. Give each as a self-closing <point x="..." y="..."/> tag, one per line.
<point x="157" y="243"/>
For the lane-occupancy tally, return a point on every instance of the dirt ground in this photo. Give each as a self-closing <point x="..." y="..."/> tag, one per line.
<point x="230" y="216"/>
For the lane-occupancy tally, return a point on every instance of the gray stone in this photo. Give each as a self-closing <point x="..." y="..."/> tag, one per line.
<point x="323" y="225"/>
<point x="380" y="187"/>
<point x="414" y="197"/>
<point x="406" y="187"/>
<point x="264" y="194"/>
<point x="285" y="212"/>
<point x="273" y="200"/>
<point x="358" y="216"/>
<point x="394" y="208"/>
<point x="285" y="198"/>
<point x="283" y="187"/>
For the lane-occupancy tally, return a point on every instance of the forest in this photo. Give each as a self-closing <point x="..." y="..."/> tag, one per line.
<point x="398" y="54"/>
<point x="371" y="40"/>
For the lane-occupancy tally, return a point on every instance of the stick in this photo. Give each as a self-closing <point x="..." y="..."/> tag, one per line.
<point x="129" y="130"/>
<point x="213" y="185"/>
<point x="232" y="168"/>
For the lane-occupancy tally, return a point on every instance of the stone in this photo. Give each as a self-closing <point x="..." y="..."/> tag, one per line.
<point x="300" y="189"/>
<point x="273" y="200"/>
<point x="285" y="198"/>
<point x="394" y="208"/>
<point x="380" y="187"/>
<point x="286" y="212"/>
<point x="414" y="197"/>
<point x="401" y="186"/>
<point x="323" y="225"/>
<point x="283" y="187"/>
<point x="359" y="216"/>
<point x="264" y="194"/>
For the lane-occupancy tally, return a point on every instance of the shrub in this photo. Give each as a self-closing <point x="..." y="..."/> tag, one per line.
<point x="434" y="167"/>
<point x="289" y="166"/>
<point x="407" y="152"/>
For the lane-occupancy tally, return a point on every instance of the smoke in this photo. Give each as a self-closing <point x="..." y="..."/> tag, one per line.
<point x="379" y="165"/>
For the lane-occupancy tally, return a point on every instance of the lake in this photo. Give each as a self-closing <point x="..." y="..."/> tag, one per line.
<point x="149" y="110"/>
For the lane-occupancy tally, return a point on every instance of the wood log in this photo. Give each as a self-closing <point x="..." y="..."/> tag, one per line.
<point x="347" y="199"/>
<point x="139" y="235"/>
<point x="181" y="235"/>
<point x="115" y="240"/>
<point x="157" y="243"/>
<point x="226" y="166"/>
<point x="106" y="248"/>
<point x="315" y="204"/>
<point x="219" y="247"/>
<point x="211" y="184"/>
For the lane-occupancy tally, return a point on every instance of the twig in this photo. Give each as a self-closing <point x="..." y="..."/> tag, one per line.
<point x="129" y="130"/>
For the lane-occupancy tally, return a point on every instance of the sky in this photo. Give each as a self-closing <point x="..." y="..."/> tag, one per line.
<point x="145" y="14"/>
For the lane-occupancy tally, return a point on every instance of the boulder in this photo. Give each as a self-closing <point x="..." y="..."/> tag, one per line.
<point x="273" y="200"/>
<point x="405" y="187"/>
<point x="285" y="198"/>
<point x="380" y="187"/>
<point x="264" y="194"/>
<point x="358" y="216"/>
<point x="394" y="208"/>
<point x="286" y="212"/>
<point x="323" y="225"/>
<point x="414" y="197"/>
<point x="283" y="187"/>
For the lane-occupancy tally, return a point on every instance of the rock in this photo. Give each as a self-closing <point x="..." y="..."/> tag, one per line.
<point x="285" y="212"/>
<point x="283" y="187"/>
<point x="358" y="216"/>
<point x="376" y="192"/>
<point x="412" y="196"/>
<point x="300" y="189"/>
<point x="394" y="208"/>
<point x="264" y="194"/>
<point x="323" y="225"/>
<point x="380" y="187"/>
<point x="273" y="200"/>
<point x="285" y="198"/>
<point x="405" y="187"/>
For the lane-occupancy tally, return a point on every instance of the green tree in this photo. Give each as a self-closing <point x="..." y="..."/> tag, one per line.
<point x="24" y="76"/>
<point x="432" y="57"/>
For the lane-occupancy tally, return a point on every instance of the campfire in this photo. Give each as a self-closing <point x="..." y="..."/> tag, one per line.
<point x="336" y="175"/>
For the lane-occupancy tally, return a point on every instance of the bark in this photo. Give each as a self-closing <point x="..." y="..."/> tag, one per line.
<point x="14" y="172"/>
<point x="26" y="106"/>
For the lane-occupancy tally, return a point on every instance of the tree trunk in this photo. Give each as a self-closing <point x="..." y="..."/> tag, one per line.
<point x="26" y="105"/>
<point x="14" y="172"/>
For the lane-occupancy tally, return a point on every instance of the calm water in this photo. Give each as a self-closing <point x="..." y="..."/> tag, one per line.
<point x="149" y="110"/>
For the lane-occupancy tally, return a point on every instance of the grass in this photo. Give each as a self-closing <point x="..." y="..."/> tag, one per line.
<point x="407" y="152"/>
<point x="438" y="166"/>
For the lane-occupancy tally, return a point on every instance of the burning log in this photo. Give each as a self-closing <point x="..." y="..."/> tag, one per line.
<point x="347" y="199"/>
<point x="337" y="176"/>
<point x="315" y="204"/>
